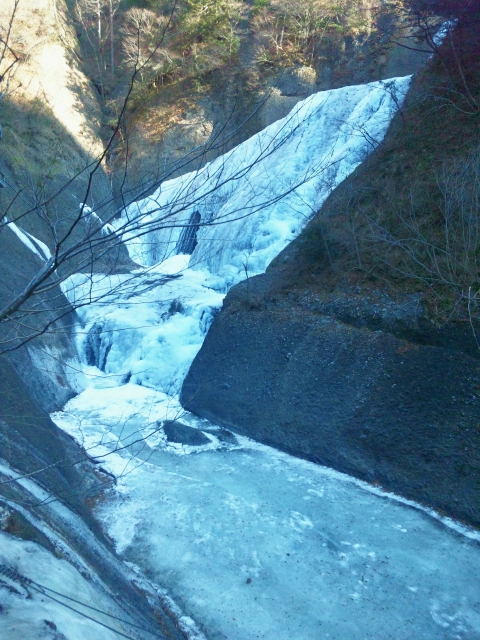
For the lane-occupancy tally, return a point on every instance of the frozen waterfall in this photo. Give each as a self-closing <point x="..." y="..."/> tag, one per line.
<point x="255" y="199"/>
<point x="148" y="326"/>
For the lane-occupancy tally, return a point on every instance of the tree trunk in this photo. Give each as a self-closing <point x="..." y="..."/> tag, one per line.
<point x="112" y="59"/>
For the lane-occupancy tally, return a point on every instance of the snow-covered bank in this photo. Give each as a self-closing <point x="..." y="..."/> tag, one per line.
<point x="55" y="590"/>
<point x="28" y="613"/>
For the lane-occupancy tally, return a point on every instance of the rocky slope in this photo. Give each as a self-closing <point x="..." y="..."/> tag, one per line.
<point x="200" y="96"/>
<point x="296" y="373"/>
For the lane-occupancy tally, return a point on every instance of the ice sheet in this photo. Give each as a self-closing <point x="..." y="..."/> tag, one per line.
<point x="257" y="544"/>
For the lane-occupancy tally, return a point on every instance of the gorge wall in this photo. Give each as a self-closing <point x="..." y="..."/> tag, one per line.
<point x="296" y="374"/>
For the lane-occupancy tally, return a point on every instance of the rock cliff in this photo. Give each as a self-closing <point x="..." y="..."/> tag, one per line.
<point x="388" y="402"/>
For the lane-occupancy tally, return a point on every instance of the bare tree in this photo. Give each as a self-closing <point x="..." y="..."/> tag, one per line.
<point x="88" y="12"/>
<point x="91" y="237"/>
<point x="447" y="29"/>
<point x="10" y="53"/>
<point x="140" y="46"/>
<point x="440" y="251"/>
<point x="83" y="239"/>
<point x="113" y="6"/>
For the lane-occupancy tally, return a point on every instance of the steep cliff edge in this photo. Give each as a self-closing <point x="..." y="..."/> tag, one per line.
<point x="355" y="350"/>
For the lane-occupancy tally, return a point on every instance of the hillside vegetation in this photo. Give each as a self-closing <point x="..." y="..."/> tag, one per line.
<point x="408" y="218"/>
<point x="204" y="81"/>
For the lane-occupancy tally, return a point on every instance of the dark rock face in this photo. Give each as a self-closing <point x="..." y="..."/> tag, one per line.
<point x="397" y="412"/>
<point x="182" y="433"/>
<point x="32" y="443"/>
<point x="38" y="348"/>
<point x="188" y="237"/>
<point x="97" y="347"/>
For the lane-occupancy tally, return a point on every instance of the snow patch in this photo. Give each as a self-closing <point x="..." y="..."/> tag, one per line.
<point x="36" y="246"/>
<point x="33" y="614"/>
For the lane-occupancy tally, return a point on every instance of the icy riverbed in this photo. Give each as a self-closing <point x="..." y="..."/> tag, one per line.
<point x="253" y="543"/>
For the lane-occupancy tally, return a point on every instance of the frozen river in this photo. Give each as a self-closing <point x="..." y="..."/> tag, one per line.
<point x="254" y="543"/>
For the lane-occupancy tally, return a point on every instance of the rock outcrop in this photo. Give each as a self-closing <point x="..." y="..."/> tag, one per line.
<point x="346" y="351"/>
<point x="399" y="411"/>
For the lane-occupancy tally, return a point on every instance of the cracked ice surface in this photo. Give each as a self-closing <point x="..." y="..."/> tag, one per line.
<point x="254" y="543"/>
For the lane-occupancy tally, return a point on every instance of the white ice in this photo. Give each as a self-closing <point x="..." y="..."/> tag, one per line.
<point x="89" y="214"/>
<point x="445" y="29"/>
<point x="35" y="245"/>
<point x="150" y="324"/>
<point x="256" y="198"/>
